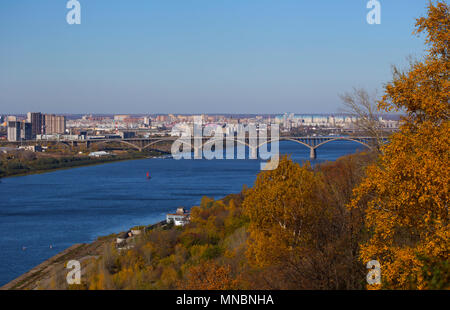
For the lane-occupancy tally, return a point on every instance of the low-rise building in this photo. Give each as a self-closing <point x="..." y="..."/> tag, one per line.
<point x="127" y="134"/>
<point x="122" y="238"/>
<point x="99" y="154"/>
<point x="31" y="148"/>
<point x="180" y="218"/>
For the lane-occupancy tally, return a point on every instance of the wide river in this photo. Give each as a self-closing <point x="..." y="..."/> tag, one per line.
<point x="43" y="214"/>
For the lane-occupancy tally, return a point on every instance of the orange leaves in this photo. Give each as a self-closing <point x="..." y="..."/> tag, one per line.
<point x="162" y="258"/>
<point x="209" y="276"/>
<point x="437" y="27"/>
<point x="282" y="197"/>
<point x="407" y="192"/>
<point x="301" y="233"/>
<point x="423" y="92"/>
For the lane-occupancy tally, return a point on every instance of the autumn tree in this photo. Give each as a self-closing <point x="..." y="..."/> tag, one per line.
<point x="301" y="233"/>
<point x="406" y="193"/>
<point x="363" y="106"/>
<point x="278" y="207"/>
<point x="209" y="276"/>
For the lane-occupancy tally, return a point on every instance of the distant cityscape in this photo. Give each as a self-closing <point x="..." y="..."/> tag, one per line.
<point x="40" y="126"/>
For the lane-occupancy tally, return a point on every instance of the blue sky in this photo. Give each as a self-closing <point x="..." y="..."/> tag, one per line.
<point x="198" y="56"/>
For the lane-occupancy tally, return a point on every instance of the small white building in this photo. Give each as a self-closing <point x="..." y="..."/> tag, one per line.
<point x="99" y="154"/>
<point x="180" y="218"/>
<point x="123" y="237"/>
<point x="31" y="148"/>
<point x="135" y="232"/>
<point x="123" y="241"/>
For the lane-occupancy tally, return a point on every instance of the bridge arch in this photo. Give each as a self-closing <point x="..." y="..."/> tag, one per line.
<point x="55" y="143"/>
<point x="344" y="139"/>
<point x="155" y="142"/>
<point x="227" y="139"/>
<point x="312" y="148"/>
<point x="285" y="139"/>
<point x="66" y="144"/>
<point x="117" y="141"/>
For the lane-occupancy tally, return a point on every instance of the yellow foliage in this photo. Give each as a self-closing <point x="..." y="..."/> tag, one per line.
<point x="280" y="206"/>
<point x="407" y="192"/>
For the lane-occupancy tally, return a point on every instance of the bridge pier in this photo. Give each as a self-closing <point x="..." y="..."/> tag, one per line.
<point x="312" y="153"/>
<point x="253" y="153"/>
<point x="197" y="153"/>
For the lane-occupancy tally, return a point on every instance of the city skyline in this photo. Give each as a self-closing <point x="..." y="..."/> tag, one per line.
<point x="39" y="126"/>
<point x="206" y="57"/>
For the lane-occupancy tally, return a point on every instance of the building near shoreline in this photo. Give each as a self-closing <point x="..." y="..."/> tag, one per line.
<point x="99" y="154"/>
<point x="31" y="148"/>
<point x="180" y="218"/>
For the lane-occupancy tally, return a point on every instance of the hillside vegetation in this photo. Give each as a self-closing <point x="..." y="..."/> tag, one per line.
<point x="291" y="230"/>
<point x="300" y="227"/>
<point x="305" y="228"/>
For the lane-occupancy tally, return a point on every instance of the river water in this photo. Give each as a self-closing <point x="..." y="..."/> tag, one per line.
<point x="64" y="207"/>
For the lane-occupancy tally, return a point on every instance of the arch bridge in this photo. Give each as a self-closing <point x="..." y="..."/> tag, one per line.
<point x="313" y="143"/>
<point x="310" y="142"/>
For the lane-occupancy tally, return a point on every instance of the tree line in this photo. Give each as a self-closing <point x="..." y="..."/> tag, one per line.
<point x="303" y="227"/>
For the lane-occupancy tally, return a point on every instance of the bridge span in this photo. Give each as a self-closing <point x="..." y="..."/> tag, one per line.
<point x="310" y="142"/>
<point x="140" y="144"/>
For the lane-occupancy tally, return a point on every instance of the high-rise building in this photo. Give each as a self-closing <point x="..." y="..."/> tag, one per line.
<point x="25" y="131"/>
<point x="161" y="118"/>
<point x="54" y="124"/>
<point x="37" y="123"/>
<point x="147" y="121"/>
<point x="18" y="131"/>
<point x="13" y="131"/>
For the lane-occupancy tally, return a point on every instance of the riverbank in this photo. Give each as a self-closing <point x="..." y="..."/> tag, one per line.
<point x="51" y="273"/>
<point x="43" y="276"/>
<point x="63" y="162"/>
